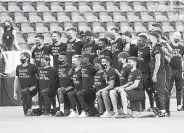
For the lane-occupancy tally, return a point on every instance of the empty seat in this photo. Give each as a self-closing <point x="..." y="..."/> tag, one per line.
<point x="48" y="17"/>
<point x="132" y="17"/>
<point x="31" y="37"/>
<point x="118" y="17"/>
<point x="76" y="17"/>
<point x="110" y="25"/>
<point x="68" y="25"/>
<point x="84" y="8"/>
<point x="13" y="8"/>
<point x="55" y="27"/>
<point x="83" y="26"/>
<point x="104" y="17"/>
<point x="150" y="27"/>
<point x="173" y="16"/>
<point x="137" y="6"/>
<point x="42" y="8"/>
<point x="97" y="27"/>
<point x="139" y="27"/>
<point x="145" y="16"/>
<point x="97" y="7"/>
<point x="20" y="19"/>
<point x="26" y="27"/>
<point x="62" y="17"/>
<point x="179" y="26"/>
<point x="125" y="26"/>
<point x="90" y="17"/>
<point x="5" y="18"/>
<point x="124" y="6"/>
<point x="33" y="17"/>
<point x="2" y="8"/>
<point x="40" y="27"/>
<point x="111" y="7"/>
<point x="24" y="46"/>
<point x="20" y="38"/>
<point x="150" y="6"/>
<point x="69" y="6"/>
<point x="55" y="6"/>
<point x="47" y="34"/>
<point x="27" y="6"/>
<point x="159" y="17"/>
<point x="163" y="6"/>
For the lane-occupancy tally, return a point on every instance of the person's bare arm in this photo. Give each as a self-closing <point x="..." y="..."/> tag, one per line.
<point x="134" y="85"/>
<point x="16" y="83"/>
<point x="110" y="86"/>
<point x="157" y="64"/>
<point x="15" y="40"/>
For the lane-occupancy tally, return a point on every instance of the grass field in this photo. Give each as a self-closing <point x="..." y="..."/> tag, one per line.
<point x="13" y="121"/>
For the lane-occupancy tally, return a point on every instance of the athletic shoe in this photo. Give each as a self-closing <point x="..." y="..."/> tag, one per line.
<point x="150" y="109"/>
<point x="168" y="114"/>
<point x="45" y="113"/>
<point x="160" y="114"/>
<point x="179" y="108"/>
<point x="117" y="116"/>
<point x="106" y="115"/>
<point x="73" y="114"/>
<point x="59" y="114"/>
<point x="99" y="114"/>
<point x="83" y="114"/>
<point x="29" y="112"/>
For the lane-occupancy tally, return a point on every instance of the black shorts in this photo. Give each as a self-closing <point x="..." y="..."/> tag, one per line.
<point x="135" y="95"/>
<point x="147" y="81"/>
<point x="160" y="85"/>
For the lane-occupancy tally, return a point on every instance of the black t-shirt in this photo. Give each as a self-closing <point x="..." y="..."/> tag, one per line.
<point x="55" y="50"/>
<point x="133" y="50"/>
<point x="77" y="80"/>
<point x="88" y="73"/>
<point x="112" y="75"/>
<point x="90" y="49"/>
<point x="99" y="81"/>
<point x="144" y="60"/>
<point x="48" y="78"/>
<point x="124" y="75"/>
<point x="65" y="79"/>
<point x="73" y="48"/>
<point x="27" y="75"/>
<point x="177" y="54"/>
<point x="136" y="75"/>
<point x="158" y="50"/>
<point x="117" y="48"/>
<point x="105" y="53"/>
<point x="38" y="53"/>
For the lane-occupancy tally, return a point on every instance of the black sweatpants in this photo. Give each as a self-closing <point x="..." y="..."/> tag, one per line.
<point x="176" y="75"/>
<point x="147" y="86"/>
<point x="47" y="97"/>
<point x="26" y="96"/>
<point x="86" y="98"/>
<point x="74" y="101"/>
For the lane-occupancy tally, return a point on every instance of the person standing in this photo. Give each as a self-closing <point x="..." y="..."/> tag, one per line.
<point x="102" y="51"/>
<point x="26" y="76"/>
<point x="3" y="58"/>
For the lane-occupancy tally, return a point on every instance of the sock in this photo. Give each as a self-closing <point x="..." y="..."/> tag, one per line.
<point x="163" y="111"/>
<point x="62" y="107"/>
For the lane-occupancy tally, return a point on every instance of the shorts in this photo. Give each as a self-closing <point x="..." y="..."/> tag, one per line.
<point x="160" y="85"/>
<point x="135" y="95"/>
<point x="67" y="104"/>
<point x="135" y="106"/>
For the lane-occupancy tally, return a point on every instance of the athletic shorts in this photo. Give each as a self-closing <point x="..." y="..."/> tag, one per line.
<point x="160" y="85"/>
<point x="135" y="95"/>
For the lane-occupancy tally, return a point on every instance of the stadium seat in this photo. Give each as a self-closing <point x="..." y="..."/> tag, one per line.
<point x="166" y="27"/>
<point x="83" y="7"/>
<point x="26" y="27"/>
<point x="125" y="26"/>
<point x="97" y="7"/>
<point x="69" y="6"/>
<point x="27" y="6"/>
<point x="20" y="38"/>
<point x="68" y="25"/>
<point x="97" y="28"/>
<point x="171" y="35"/>
<point x="179" y="26"/>
<point x="139" y="27"/>
<point x="104" y="17"/>
<point x="159" y="17"/>
<point x="173" y="16"/>
<point x="145" y="16"/>
<point x="55" y="27"/>
<point x="42" y="8"/>
<point x="24" y="46"/>
<point x="111" y="7"/>
<point x="110" y="25"/>
<point x="137" y="6"/>
<point x="150" y="25"/>
<point x="2" y="8"/>
<point x="31" y="37"/>
<point x="118" y="17"/>
<point x="20" y="19"/>
<point x="76" y="17"/>
<point x="5" y="18"/>
<point x="124" y="6"/>
<point x="90" y="17"/>
<point x="150" y="6"/>
<point x="40" y="28"/>
<point x="62" y="17"/>
<point x="163" y="6"/>
<point x="13" y="8"/>
<point x="47" y="34"/>
<point x="83" y="26"/>
<point x="48" y="17"/>
<point x="131" y="16"/>
<point x="33" y="17"/>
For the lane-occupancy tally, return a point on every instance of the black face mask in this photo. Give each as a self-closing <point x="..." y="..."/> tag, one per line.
<point x="61" y="62"/>
<point x="101" y="47"/>
<point x="38" y="44"/>
<point x="23" y="61"/>
<point x="54" y="41"/>
<point x="7" y="26"/>
<point x="42" y="64"/>
<point x="104" y="66"/>
<point x="176" y="40"/>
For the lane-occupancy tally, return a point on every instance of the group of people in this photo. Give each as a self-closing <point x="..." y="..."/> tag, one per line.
<point x="111" y="73"/>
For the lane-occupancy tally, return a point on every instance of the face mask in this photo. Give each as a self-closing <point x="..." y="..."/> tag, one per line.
<point x="61" y="62"/>
<point x="101" y="47"/>
<point x="42" y="64"/>
<point x="7" y="26"/>
<point x="23" y="61"/>
<point x="74" y="65"/>
<point x="130" y="66"/>
<point x="54" y="40"/>
<point x="38" y="44"/>
<point x="176" y="40"/>
<point x="104" y="66"/>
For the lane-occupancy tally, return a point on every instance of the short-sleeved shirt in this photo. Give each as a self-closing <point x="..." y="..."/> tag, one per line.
<point x="77" y="80"/>
<point x="105" y="53"/>
<point x="65" y="79"/>
<point x="88" y="73"/>
<point x="124" y="75"/>
<point x="116" y="47"/>
<point x="27" y="75"/>
<point x="48" y="78"/>
<point x="90" y="49"/>
<point x="144" y="60"/>
<point x="38" y="53"/>
<point x="55" y="50"/>
<point x="99" y="81"/>
<point x="111" y="75"/>
<point x="133" y="50"/>
<point x="73" y="48"/>
<point x="136" y="75"/>
<point x="157" y="49"/>
<point x="177" y="54"/>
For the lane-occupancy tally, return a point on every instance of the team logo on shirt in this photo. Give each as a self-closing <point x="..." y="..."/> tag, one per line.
<point x="176" y="52"/>
<point x="114" y="47"/>
<point x="61" y="73"/>
<point x="70" y="48"/>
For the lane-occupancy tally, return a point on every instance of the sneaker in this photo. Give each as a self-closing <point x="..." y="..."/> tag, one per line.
<point x="117" y="116"/>
<point x="106" y="115"/>
<point x="59" y="114"/>
<point x="150" y="109"/>
<point x="179" y="108"/>
<point x="29" y="112"/>
<point x="83" y="114"/>
<point x="73" y="114"/>
<point x="99" y="114"/>
<point x="160" y="114"/>
<point x="45" y="113"/>
<point x="168" y="114"/>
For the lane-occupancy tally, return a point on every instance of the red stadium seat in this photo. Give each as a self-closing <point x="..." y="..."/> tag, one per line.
<point x="118" y="17"/>
<point x="124" y="6"/>
<point x="110" y="25"/>
<point x="104" y="17"/>
<point x="132" y="17"/>
<point x="146" y="17"/>
<point x="97" y="7"/>
<point x="48" y="17"/>
<point x="76" y="17"/>
<point x="139" y="27"/>
<point x="111" y="7"/>
<point x="137" y="6"/>
<point x="62" y="17"/>
<point x="150" y="5"/>
<point x="26" y="28"/>
<point x="90" y="17"/>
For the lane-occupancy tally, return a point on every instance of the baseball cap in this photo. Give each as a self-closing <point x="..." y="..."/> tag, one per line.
<point x="127" y="33"/>
<point x="123" y="55"/>
<point x="133" y="58"/>
<point x="155" y="34"/>
<point x="88" y="33"/>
